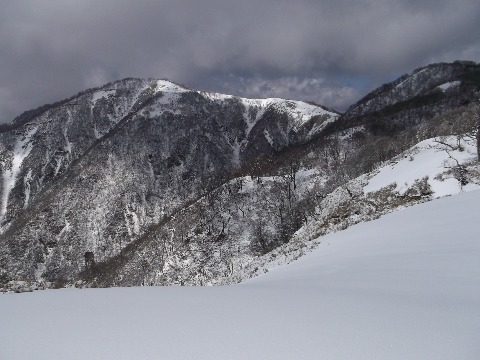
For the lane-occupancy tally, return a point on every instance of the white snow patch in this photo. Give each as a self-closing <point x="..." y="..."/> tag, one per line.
<point x="427" y="158"/>
<point x="102" y="94"/>
<point x="213" y="96"/>
<point x="449" y="85"/>
<point x="166" y="86"/>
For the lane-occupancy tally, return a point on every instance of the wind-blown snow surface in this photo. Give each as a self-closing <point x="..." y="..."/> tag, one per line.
<point x="405" y="286"/>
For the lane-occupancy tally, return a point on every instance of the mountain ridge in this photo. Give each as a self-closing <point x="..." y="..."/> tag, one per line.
<point x="153" y="182"/>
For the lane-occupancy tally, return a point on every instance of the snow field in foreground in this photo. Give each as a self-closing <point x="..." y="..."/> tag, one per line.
<point x="405" y="286"/>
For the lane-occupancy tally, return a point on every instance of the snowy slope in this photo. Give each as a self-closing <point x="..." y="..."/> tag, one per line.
<point x="405" y="286"/>
<point x="431" y="158"/>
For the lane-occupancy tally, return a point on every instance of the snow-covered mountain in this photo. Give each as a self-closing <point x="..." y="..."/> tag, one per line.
<point x="150" y="182"/>
<point x="96" y="172"/>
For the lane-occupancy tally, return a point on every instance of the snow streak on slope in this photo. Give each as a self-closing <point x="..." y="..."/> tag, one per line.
<point x="448" y="85"/>
<point x="22" y="148"/>
<point x="401" y="287"/>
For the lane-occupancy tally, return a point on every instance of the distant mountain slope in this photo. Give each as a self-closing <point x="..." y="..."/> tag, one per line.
<point x="415" y="98"/>
<point x="404" y="286"/>
<point x="435" y="79"/>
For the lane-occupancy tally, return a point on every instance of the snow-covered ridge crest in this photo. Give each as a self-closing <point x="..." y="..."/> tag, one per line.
<point x="300" y="111"/>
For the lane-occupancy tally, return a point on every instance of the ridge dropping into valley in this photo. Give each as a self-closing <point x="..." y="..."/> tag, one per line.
<point x="149" y="182"/>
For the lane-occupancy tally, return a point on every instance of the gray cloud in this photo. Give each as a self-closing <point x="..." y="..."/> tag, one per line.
<point x="330" y="52"/>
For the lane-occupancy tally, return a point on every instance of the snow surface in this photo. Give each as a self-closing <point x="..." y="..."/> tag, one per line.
<point x="405" y="286"/>
<point x="427" y="158"/>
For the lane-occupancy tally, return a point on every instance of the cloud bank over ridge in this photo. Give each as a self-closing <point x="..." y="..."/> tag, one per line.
<point x="329" y="52"/>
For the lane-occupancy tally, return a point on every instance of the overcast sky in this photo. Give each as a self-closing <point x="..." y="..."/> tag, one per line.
<point x="331" y="51"/>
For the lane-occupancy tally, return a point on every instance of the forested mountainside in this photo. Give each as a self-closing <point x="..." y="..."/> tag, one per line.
<point x="150" y="182"/>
